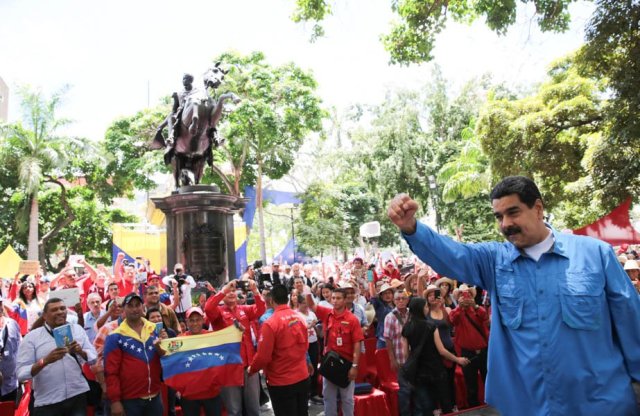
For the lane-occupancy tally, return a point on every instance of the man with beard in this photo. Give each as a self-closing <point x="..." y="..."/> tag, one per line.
<point x="565" y="333"/>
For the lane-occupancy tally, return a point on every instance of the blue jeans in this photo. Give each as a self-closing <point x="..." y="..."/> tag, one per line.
<point x="142" y="407"/>
<point x="234" y="397"/>
<point x="330" y="398"/>
<point x="404" y="395"/>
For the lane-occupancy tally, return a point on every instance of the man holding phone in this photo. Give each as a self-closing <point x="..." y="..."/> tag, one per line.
<point x="184" y="283"/>
<point x="470" y="322"/>
<point x="235" y="398"/>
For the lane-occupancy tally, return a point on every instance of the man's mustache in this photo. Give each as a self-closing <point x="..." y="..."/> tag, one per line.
<point x="509" y="231"/>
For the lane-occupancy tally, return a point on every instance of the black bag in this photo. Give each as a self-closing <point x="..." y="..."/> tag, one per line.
<point x="335" y="369"/>
<point x="410" y="368"/>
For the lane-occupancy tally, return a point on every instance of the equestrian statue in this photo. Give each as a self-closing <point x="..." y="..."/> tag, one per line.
<point x="191" y="126"/>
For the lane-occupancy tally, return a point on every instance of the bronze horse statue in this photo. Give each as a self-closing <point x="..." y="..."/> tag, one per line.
<point x="192" y="128"/>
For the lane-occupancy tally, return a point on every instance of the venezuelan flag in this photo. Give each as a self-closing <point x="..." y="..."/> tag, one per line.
<point x="199" y="364"/>
<point x="19" y="314"/>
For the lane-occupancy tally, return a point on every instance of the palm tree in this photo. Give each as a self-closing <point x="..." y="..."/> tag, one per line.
<point x="469" y="173"/>
<point x="40" y="153"/>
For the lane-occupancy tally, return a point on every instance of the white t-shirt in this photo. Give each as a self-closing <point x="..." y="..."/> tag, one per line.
<point x="536" y="251"/>
<point x="185" y="298"/>
<point x="310" y="317"/>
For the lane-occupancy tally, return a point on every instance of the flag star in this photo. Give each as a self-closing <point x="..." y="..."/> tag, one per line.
<point x="190" y="358"/>
<point x="133" y="347"/>
<point x="119" y="341"/>
<point x="150" y="347"/>
<point x="126" y="344"/>
<point x="187" y="365"/>
<point x="139" y="349"/>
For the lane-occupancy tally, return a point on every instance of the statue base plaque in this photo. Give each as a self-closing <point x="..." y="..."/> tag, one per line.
<point x="200" y="231"/>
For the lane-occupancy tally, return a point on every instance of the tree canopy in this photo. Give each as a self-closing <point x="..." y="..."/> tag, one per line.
<point x="413" y="35"/>
<point x="43" y="186"/>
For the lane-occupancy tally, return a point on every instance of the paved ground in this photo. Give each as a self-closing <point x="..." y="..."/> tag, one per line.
<point x="316" y="410"/>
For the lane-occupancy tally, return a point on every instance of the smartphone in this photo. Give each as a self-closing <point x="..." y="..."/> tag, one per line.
<point x="437" y="293"/>
<point x="369" y="275"/>
<point x="159" y="327"/>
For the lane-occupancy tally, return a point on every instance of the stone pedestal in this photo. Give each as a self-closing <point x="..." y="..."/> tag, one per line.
<point x="200" y="231"/>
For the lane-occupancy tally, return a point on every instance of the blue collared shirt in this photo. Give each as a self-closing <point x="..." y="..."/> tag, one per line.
<point x="90" y="324"/>
<point x="565" y="333"/>
<point x="358" y="311"/>
<point x="57" y="381"/>
<point x="9" y="354"/>
<point x="382" y="310"/>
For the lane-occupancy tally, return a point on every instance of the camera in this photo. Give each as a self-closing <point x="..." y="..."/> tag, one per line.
<point x="243" y="285"/>
<point x="181" y="279"/>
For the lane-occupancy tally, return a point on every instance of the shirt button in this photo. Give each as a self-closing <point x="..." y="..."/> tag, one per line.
<point x="541" y="291"/>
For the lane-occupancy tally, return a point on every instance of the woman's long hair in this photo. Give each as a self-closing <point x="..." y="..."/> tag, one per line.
<point x="416" y="308"/>
<point x="23" y="297"/>
<point x="416" y="311"/>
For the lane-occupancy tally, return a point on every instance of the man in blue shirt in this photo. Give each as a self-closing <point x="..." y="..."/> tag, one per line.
<point x="565" y="333"/>
<point x="95" y="312"/>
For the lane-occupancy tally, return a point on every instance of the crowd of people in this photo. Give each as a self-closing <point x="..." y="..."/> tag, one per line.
<point x="294" y="319"/>
<point x="115" y="349"/>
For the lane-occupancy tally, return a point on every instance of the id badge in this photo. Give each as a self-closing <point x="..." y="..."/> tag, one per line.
<point x="339" y="341"/>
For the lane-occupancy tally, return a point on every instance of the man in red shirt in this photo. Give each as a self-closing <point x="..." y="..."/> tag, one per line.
<point x="230" y="313"/>
<point x="470" y="322"/>
<point x="124" y="275"/>
<point x="282" y="352"/>
<point x="343" y="336"/>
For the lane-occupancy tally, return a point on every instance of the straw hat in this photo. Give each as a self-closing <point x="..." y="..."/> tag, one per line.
<point x="465" y="288"/>
<point x="384" y="288"/>
<point x="444" y="280"/>
<point x="430" y="289"/>
<point x="395" y="283"/>
<point x="631" y="265"/>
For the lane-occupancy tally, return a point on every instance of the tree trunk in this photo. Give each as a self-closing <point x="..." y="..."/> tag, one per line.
<point x="68" y="219"/>
<point x="32" y="249"/>
<point x="263" y="248"/>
